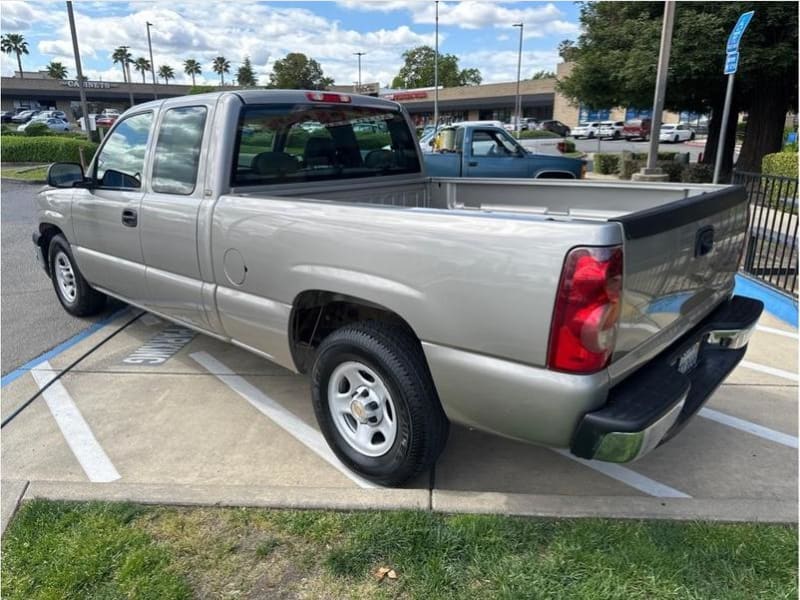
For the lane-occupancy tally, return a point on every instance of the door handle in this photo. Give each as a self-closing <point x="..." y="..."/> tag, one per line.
<point x="129" y="218"/>
<point x="472" y="163"/>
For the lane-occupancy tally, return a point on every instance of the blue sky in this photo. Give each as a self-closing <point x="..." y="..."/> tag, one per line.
<point x="478" y="32"/>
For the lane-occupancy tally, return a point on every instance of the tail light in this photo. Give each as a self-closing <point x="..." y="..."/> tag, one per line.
<point x="328" y="97"/>
<point x="584" y="328"/>
<point x="562" y="147"/>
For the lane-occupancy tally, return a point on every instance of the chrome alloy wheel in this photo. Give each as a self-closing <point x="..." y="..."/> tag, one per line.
<point x="65" y="277"/>
<point x="362" y="409"/>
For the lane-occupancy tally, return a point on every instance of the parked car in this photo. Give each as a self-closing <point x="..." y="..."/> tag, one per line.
<point x="525" y="124"/>
<point x="54" y="114"/>
<point x="611" y="129"/>
<point x="586" y="130"/>
<point x="555" y="126"/>
<point x="52" y="124"/>
<point x="105" y="121"/>
<point x="594" y="318"/>
<point x="469" y="150"/>
<point x="24" y="116"/>
<point x="5" y="116"/>
<point x="637" y="129"/>
<point x="110" y="112"/>
<point x="670" y="132"/>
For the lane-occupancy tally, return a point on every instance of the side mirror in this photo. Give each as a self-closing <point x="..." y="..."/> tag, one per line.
<point x="64" y="175"/>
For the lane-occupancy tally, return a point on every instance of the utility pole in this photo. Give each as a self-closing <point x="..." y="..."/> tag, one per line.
<point x="518" y="103"/>
<point x="78" y="68"/>
<point x="359" y="55"/>
<point x="152" y="64"/>
<point x="436" y="75"/>
<point x="651" y="172"/>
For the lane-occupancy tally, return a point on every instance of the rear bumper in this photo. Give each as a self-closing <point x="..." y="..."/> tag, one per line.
<point x="653" y="404"/>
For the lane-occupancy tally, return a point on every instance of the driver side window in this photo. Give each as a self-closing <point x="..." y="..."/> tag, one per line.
<point x="120" y="164"/>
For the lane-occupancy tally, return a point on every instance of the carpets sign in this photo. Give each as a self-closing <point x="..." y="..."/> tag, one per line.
<point x="95" y="85"/>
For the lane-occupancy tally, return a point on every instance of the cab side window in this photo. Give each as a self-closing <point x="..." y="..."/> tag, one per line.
<point x="177" y="153"/>
<point x="120" y="163"/>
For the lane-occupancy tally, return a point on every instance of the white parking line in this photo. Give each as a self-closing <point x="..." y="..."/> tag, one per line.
<point x="769" y="370"/>
<point x="74" y="428"/>
<point x="789" y="334"/>
<point x="290" y="423"/>
<point x="651" y="487"/>
<point x="749" y="427"/>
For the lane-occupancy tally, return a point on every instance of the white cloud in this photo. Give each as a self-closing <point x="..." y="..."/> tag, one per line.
<point x="21" y="17"/>
<point x="502" y="66"/>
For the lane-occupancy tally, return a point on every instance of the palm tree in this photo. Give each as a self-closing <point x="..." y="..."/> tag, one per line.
<point x="122" y="56"/>
<point x="166" y="72"/>
<point x="142" y="65"/>
<point x="15" y="42"/>
<point x="191" y="67"/>
<point x="221" y="66"/>
<point x="56" y="70"/>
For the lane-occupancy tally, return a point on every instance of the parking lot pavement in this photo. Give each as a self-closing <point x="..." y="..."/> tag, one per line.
<point x="209" y="422"/>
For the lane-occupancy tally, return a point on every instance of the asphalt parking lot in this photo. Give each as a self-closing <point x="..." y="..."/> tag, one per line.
<point x="136" y="408"/>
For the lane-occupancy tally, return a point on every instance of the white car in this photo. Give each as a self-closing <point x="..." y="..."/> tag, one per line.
<point x="587" y="130"/>
<point x="52" y="124"/>
<point x="675" y="133"/>
<point x="50" y="114"/>
<point x="611" y="129"/>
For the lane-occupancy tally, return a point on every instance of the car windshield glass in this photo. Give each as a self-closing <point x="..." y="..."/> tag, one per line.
<point x="289" y="143"/>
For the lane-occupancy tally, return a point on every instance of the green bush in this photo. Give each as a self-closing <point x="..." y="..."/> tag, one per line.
<point x="530" y="134"/>
<point x="202" y="89"/>
<point x="569" y="146"/>
<point x="697" y="173"/>
<point x="780" y="163"/>
<point x="37" y="130"/>
<point x="45" y="149"/>
<point x="606" y="164"/>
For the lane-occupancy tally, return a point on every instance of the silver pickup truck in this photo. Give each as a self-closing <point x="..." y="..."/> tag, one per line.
<point x="301" y="226"/>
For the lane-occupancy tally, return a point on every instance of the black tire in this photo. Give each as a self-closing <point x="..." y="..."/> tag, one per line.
<point x="87" y="301"/>
<point x="676" y="140"/>
<point x="396" y="357"/>
<point x="616" y="135"/>
<point x="691" y="136"/>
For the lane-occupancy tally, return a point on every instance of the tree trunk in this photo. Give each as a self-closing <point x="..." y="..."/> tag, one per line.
<point x="192" y="79"/>
<point x="124" y="77"/>
<point x="143" y="72"/>
<point x="19" y="62"/>
<point x="765" y="123"/>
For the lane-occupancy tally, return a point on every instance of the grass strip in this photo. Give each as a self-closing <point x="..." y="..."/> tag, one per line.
<point x="98" y="550"/>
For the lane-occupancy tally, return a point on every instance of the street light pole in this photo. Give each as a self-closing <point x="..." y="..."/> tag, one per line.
<point x="436" y="75"/>
<point x="359" y="55"/>
<point x="78" y="68"/>
<point x="518" y="107"/>
<point x="661" y="86"/>
<point x="152" y="64"/>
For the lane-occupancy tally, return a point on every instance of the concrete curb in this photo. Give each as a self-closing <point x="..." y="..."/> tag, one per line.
<point x="530" y="505"/>
<point x="12" y="493"/>
<point x="617" y="507"/>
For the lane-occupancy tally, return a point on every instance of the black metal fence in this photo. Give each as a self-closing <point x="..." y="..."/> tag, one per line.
<point x="771" y="251"/>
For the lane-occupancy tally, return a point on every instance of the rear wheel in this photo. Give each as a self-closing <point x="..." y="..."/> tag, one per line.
<point x="376" y="404"/>
<point x="677" y="139"/>
<point x="73" y="291"/>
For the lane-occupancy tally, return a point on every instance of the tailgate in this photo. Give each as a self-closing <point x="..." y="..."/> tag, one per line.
<point x="680" y="262"/>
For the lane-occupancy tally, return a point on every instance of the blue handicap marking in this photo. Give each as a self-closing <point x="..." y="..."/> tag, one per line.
<point x="738" y="31"/>
<point x="731" y="63"/>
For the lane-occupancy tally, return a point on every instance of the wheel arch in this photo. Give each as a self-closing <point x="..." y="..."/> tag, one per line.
<point x="47" y="231"/>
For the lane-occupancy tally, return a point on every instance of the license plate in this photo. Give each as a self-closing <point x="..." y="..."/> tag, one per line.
<point x="688" y="359"/>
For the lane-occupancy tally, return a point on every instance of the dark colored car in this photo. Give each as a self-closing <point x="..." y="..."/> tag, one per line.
<point x="25" y="116"/>
<point x="5" y="116"/>
<point x="555" y="126"/>
<point x="637" y="129"/>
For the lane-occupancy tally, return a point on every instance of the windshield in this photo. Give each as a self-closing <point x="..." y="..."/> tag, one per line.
<point x="289" y="143"/>
<point x="667" y="127"/>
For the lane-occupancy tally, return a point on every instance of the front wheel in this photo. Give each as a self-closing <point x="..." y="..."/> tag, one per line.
<point x="73" y="291"/>
<point x="376" y="404"/>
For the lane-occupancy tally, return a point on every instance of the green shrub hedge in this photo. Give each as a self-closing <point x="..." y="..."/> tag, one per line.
<point x="530" y="134"/>
<point x="37" y="130"/>
<point x="45" y="149"/>
<point x="661" y="155"/>
<point x="606" y="164"/>
<point x="780" y="163"/>
<point x="697" y="173"/>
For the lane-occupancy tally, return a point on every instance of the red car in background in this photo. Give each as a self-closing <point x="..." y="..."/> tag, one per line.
<point x="637" y="129"/>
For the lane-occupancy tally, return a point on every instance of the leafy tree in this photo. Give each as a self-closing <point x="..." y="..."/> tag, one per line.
<point x="123" y="57"/>
<point x="567" y="50"/>
<point x="298" y="72"/>
<point x="15" y="43"/>
<point x="544" y="75"/>
<point x="191" y="67"/>
<point x="221" y="66"/>
<point x="418" y="70"/>
<point x="245" y="76"/>
<point x="142" y="65"/>
<point x="56" y="70"/>
<point x="166" y="72"/>
<point x="616" y="56"/>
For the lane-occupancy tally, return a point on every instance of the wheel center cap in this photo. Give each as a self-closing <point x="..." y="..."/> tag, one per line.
<point x="358" y="410"/>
